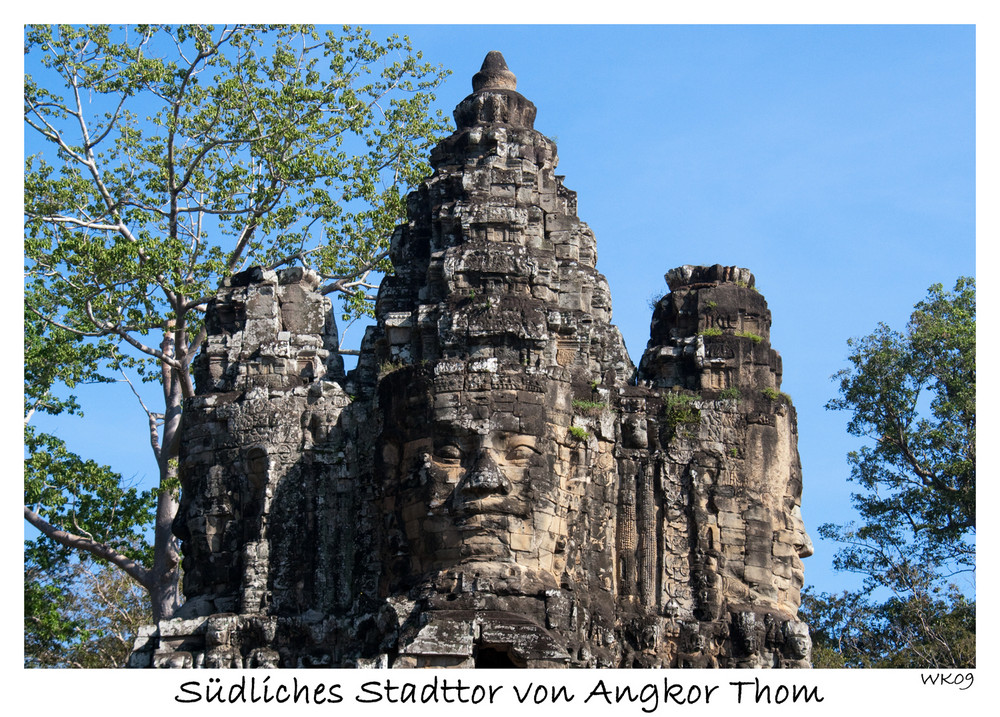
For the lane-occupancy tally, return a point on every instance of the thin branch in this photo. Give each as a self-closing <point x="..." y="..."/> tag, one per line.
<point x="111" y="124"/>
<point x="153" y="418"/>
<point x="77" y="542"/>
<point x="78" y="222"/>
<point x="344" y="284"/>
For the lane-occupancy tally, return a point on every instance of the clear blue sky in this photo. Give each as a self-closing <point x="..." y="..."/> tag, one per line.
<point x="836" y="162"/>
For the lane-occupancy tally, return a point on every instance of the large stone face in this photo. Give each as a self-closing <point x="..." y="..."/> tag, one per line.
<point x="495" y="484"/>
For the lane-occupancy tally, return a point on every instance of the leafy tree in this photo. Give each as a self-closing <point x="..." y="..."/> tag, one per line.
<point x="163" y="159"/>
<point x="913" y="395"/>
<point x="934" y="627"/>
<point x="79" y="614"/>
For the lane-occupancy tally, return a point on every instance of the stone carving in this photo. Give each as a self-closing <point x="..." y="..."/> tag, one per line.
<point x="495" y="484"/>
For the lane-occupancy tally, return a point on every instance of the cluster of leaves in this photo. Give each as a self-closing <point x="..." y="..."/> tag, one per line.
<point x="933" y="628"/>
<point x="387" y="367"/>
<point x="579" y="433"/>
<point x="679" y="410"/>
<point x="159" y="160"/>
<point x="912" y="395"/>
<point x="588" y="408"/>
<point x="711" y="331"/>
<point x="750" y="335"/>
<point x="920" y="472"/>
<point x="212" y="149"/>
<point x="79" y="613"/>
<point x="773" y="394"/>
<point x="83" y="496"/>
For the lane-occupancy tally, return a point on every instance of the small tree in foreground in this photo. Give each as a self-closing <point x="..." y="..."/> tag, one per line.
<point x="160" y="160"/>
<point x="913" y="395"/>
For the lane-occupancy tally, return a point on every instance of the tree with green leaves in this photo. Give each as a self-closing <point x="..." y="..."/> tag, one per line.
<point x="160" y="160"/>
<point x="82" y="613"/>
<point x="912" y="395"/>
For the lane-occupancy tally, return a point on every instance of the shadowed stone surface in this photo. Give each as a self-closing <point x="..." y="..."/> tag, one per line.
<point x="495" y="484"/>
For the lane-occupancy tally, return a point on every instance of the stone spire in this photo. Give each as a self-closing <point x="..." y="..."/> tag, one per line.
<point x="494" y="74"/>
<point x="494" y="98"/>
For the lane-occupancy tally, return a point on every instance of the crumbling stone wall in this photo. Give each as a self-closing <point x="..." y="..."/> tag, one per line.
<point x="495" y="484"/>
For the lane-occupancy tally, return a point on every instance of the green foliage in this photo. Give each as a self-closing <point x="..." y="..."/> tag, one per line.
<point x="55" y="359"/>
<point x="749" y="335"/>
<point x="773" y="394"/>
<point x="578" y="433"/>
<point x="920" y="471"/>
<point x="711" y="331"/>
<point x="79" y="614"/>
<point x="210" y="149"/>
<point x="84" y="497"/>
<point x="47" y="593"/>
<point x="912" y="396"/>
<point x="930" y="628"/>
<point x="712" y="305"/>
<point x="589" y="408"/>
<point x="679" y="410"/>
<point x="730" y="394"/>
<point x="387" y="367"/>
<point x="160" y="160"/>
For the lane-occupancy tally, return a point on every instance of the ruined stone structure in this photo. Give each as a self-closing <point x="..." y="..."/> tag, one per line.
<point x="495" y="484"/>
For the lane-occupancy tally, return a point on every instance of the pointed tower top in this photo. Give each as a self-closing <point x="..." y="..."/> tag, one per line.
<point x="494" y="75"/>
<point x="494" y="98"/>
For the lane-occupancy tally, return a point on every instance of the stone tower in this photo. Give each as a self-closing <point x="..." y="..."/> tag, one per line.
<point x="495" y="484"/>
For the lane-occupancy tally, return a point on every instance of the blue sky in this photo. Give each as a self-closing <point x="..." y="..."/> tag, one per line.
<point x="836" y="162"/>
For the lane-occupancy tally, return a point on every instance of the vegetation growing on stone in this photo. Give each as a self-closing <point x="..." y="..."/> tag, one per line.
<point x="589" y="408"/>
<point x="773" y="394"/>
<point x="749" y="335"/>
<point x="679" y="410"/>
<point x="387" y="367"/>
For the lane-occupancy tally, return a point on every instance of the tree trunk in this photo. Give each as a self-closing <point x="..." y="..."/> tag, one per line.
<point x="164" y="588"/>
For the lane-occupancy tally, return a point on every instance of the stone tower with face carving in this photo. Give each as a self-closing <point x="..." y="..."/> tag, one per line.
<point x="495" y="484"/>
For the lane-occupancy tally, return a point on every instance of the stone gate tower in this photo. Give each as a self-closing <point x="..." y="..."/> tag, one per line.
<point x="495" y="484"/>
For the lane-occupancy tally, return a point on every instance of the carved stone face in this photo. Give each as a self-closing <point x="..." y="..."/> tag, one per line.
<point x="472" y="480"/>
<point x="798" y="539"/>
<point x="798" y="644"/>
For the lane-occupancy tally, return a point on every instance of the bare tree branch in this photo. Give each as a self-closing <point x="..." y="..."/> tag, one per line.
<point x="95" y="548"/>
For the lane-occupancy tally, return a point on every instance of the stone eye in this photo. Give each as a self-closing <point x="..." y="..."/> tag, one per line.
<point x="521" y="452"/>
<point x="449" y="453"/>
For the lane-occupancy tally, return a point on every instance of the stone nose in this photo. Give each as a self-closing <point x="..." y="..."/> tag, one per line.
<point x="803" y="544"/>
<point x="485" y="478"/>
<point x="806" y="548"/>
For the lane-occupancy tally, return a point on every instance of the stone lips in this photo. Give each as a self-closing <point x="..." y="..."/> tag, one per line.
<point x="495" y="484"/>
